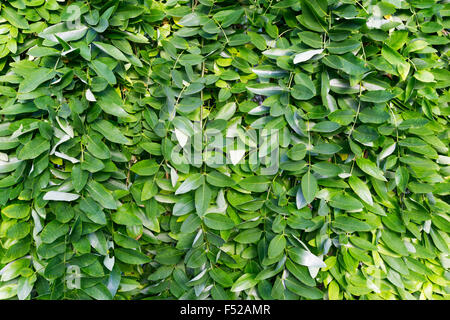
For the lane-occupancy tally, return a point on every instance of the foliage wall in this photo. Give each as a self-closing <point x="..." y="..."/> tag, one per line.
<point x="96" y="97"/>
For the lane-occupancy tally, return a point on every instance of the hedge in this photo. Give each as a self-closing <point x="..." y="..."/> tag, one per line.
<point x="218" y="149"/>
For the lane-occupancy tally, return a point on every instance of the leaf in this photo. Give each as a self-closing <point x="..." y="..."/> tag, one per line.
<point x="16" y="211"/>
<point x="333" y="290"/>
<point x="191" y="183"/>
<point x="304" y="88"/>
<point x="345" y="202"/>
<point x="325" y="126"/>
<point x="255" y="183"/>
<point x="370" y="168"/>
<point x="93" y="211"/>
<point x="301" y="273"/>
<point x="361" y="189"/>
<point x="221" y="277"/>
<point x="79" y="177"/>
<point x="347" y="62"/>
<point x="110" y="132"/>
<point x="99" y="292"/>
<point x="349" y="224"/>
<point x="10" y="15"/>
<point x="302" y="290"/>
<point x="111" y="50"/>
<point x="131" y="256"/>
<point x="111" y="103"/>
<point x="34" y="148"/>
<point x="149" y="190"/>
<point x="101" y="195"/>
<point x="219" y="179"/>
<point x="35" y="78"/>
<point x="9" y="165"/>
<point x="276" y="246"/>
<point x="125" y="215"/>
<point x="53" y="230"/>
<point x="310" y="19"/>
<point x="309" y="187"/>
<point x="103" y="71"/>
<point x="190" y="59"/>
<point x="424" y="76"/>
<point x="342" y="47"/>
<point x="401" y="178"/>
<point x="377" y="96"/>
<point x="96" y="146"/>
<point x="397" y="60"/>
<point x="145" y="167"/>
<point x="218" y="221"/>
<point x="387" y="151"/>
<point x="202" y="199"/>
<point x="394" y="242"/>
<point x="268" y="72"/>
<point x="24" y="287"/>
<point x="244" y="282"/>
<point x="248" y="236"/>
<point x="60" y="196"/>
<point x="305" y="258"/>
<point x="264" y="89"/>
<point x="306" y="55"/>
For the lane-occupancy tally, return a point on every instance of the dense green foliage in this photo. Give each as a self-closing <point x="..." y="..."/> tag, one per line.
<point x="96" y="95"/>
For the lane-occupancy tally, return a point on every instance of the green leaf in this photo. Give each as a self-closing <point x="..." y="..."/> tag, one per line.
<point x="264" y="89"/>
<point x="101" y="195"/>
<point x="394" y="242"/>
<point x="244" y="282"/>
<point x="131" y="256"/>
<point x="79" y="177"/>
<point x="221" y="277"/>
<point x="306" y="55"/>
<point x="304" y="88"/>
<point x="103" y="71"/>
<point x="219" y="179"/>
<point x="111" y="50"/>
<point x="361" y="189"/>
<point x="345" y="202"/>
<point x="145" y="167"/>
<point x="302" y="290"/>
<point x="191" y="183"/>
<point x="125" y="215"/>
<point x="345" y="46"/>
<point x="16" y="211"/>
<point x="276" y="246"/>
<point x="190" y="59"/>
<point x="110" y="132"/>
<point x="255" y="183"/>
<point x="11" y="15"/>
<point x="35" y="78"/>
<point x="309" y="187"/>
<point x="377" y="96"/>
<point x="370" y="168"/>
<point x="60" y="196"/>
<point x="96" y="146"/>
<point x="218" y="221"/>
<point x="34" y="148"/>
<point x="305" y="258"/>
<point x="99" y="292"/>
<point x="149" y="190"/>
<point x="248" y="236"/>
<point x="53" y="230"/>
<point x="325" y="126"/>
<point x="93" y="211"/>
<point x="202" y="199"/>
<point x="349" y="224"/>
